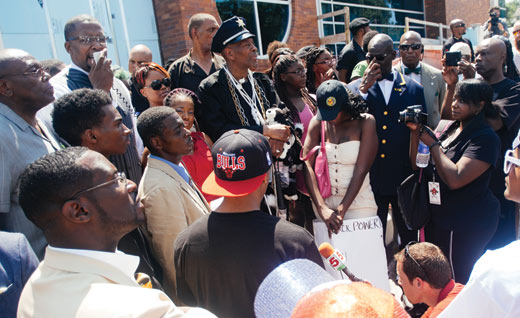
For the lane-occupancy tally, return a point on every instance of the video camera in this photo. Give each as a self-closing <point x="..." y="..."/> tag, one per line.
<point x="494" y="17"/>
<point x="413" y="114"/>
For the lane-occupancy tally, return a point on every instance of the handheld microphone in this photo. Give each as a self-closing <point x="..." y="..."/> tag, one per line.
<point x="336" y="260"/>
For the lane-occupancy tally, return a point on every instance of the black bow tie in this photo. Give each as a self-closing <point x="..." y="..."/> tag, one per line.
<point x="389" y="76"/>
<point x="408" y="71"/>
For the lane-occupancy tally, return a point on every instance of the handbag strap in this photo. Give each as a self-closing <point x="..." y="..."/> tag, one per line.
<point x="321" y="145"/>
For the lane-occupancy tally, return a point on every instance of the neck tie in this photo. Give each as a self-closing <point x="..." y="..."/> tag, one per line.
<point x="408" y="71"/>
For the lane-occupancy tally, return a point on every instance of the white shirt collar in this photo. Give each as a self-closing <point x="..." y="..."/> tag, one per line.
<point x="74" y="66"/>
<point x="125" y="262"/>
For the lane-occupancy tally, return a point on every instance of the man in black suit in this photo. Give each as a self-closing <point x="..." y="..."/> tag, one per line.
<point x="388" y="92"/>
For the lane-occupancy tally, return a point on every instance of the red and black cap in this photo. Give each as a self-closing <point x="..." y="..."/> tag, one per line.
<point x="241" y="159"/>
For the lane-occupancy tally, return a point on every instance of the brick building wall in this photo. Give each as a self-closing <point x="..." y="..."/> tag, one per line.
<point x="172" y="18"/>
<point x="471" y="11"/>
<point x="434" y="11"/>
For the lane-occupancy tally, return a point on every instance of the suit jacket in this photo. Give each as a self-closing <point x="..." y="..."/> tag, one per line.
<point x="69" y="285"/>
<point x="434" y="89"/>
<point x="17" y="263"/>
<point x="392" y="164"/>
<point x="170" y="205"/>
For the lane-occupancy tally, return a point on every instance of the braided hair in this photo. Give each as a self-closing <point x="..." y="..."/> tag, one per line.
<point x="283" y="63"/>
<point x="310" y="59"/>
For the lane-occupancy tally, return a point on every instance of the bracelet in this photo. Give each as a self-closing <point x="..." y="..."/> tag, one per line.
<point x="437" y="143"/>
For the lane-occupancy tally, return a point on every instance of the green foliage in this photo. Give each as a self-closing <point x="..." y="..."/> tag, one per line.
<point x="511" y="7"/>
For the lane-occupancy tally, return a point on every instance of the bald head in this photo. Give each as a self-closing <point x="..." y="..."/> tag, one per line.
<point x="138" y="54"/>
<point x="490" y="56"/>
<point x="457" y="27"/>
<point x="24" y="86"/>
<point x="381" y="41"/>
<point x="11" y="61"/>
<point x="411" y="36"/>
<point x="381" y="51"/>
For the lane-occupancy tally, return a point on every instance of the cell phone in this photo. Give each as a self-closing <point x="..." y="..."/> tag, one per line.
<point x="97" y="55"/>
<point x="453" y="58"/>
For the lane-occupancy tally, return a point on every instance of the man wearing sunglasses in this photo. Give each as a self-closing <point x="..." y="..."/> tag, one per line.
<point x="388" y="92"/>
<point x="411" y="52"/>
<point x="458" y="29"/>
<point x="24" y="89"/>
<point x="85" y="38"/>
<point x="85" y="206"/>
<point x="424" y="274"/>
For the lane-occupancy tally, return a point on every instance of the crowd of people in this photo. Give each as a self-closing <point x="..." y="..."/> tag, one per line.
<point x="176" y="192"/>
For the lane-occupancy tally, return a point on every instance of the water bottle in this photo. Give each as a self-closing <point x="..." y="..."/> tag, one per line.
<point x="423" y="155"/>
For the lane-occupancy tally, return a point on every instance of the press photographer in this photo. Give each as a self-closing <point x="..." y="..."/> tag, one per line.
<point x="495" y="25"/>
<point x="464" y="212"/>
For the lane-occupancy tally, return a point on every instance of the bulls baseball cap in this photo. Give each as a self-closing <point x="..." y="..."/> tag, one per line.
<point x="231" y="31"/>
<point x="241" y="160"/>
<point x="331" y="96"/>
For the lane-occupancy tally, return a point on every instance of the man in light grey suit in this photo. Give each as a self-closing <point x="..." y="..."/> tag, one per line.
<point x="84" y="207"/>
<point x="411" y="51"/>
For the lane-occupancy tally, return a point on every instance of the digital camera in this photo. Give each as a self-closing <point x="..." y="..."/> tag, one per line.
<point x="413" y="114"/>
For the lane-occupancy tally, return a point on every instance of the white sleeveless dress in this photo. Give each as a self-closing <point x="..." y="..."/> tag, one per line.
<point x="342" y="160"/>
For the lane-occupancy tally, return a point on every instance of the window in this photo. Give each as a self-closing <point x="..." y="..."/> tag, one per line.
<point x="268" y="19"/>
<point x="386" y="16"/>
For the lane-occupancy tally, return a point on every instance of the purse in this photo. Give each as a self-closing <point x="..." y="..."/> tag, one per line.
<point x="321" y="167"/>
<point x="413" y="199"/>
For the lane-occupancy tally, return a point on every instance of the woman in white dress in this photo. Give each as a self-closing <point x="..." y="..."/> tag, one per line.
<point x="351" y="147"/>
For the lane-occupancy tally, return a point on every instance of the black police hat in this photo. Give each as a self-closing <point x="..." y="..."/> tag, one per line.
<point x="231" y="31"/>
<point x="358" y="23"/>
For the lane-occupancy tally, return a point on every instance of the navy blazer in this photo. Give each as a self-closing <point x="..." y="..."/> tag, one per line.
<point x="392" y="164"/>
<point x="17" y="263"/>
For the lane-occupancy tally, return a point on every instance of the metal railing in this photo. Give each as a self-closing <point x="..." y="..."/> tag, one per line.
<point x="441" y="27"/>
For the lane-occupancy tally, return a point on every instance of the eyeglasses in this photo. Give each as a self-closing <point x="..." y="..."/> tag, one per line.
<point x="157" y="84"/>
<point x="407" y="254"/>
<point x="379" y="57"/>
<point x="120" y="178"/>
<point x="38" y="71"/>
<point x="89" y="39"/>
<point x="299" y="72"/>
<point x="328" y="62"/>
<point x="510" y="161"/>
<point x="461" y="25"/>
<point x="405" y="47"/>
<point x="516" y="31"/>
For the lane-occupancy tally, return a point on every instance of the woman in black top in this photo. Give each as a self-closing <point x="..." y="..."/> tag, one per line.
<point x="464" y="157"/>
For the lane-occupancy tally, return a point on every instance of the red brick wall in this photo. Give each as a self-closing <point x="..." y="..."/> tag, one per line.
<point x="434" y="11"/>
<point x="471" y="11"/>
<point x="172" y="18"/>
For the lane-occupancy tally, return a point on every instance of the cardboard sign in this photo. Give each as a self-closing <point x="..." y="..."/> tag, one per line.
<point x="361" y="242"/>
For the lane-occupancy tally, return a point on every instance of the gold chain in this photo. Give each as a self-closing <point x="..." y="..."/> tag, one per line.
<point x="257" y="88"/>
<point x="238" y="109"/>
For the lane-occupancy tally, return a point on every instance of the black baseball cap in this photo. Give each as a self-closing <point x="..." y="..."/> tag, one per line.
<point x="331" y="96"/>
<point x="358" y="23"/>
<point x="241" y="160"/>
<point x="231" y="31"/>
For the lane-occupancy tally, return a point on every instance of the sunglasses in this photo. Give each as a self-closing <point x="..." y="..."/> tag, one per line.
<point x="407" y="254"/>
<point x="516" y="31"/>
<point x="157" y="84"/>
<point x="459" y="25"/>
<point x="379" y="57"/>
<point x="406" y="47"/>
<point x="510" y="161"/>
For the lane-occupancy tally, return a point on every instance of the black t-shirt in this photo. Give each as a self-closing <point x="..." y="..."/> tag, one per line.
<point x="222" y="259"/>
<point x="474" y="203"/>
<point x="186" y="73"/>
<point x="351" y="54"/>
